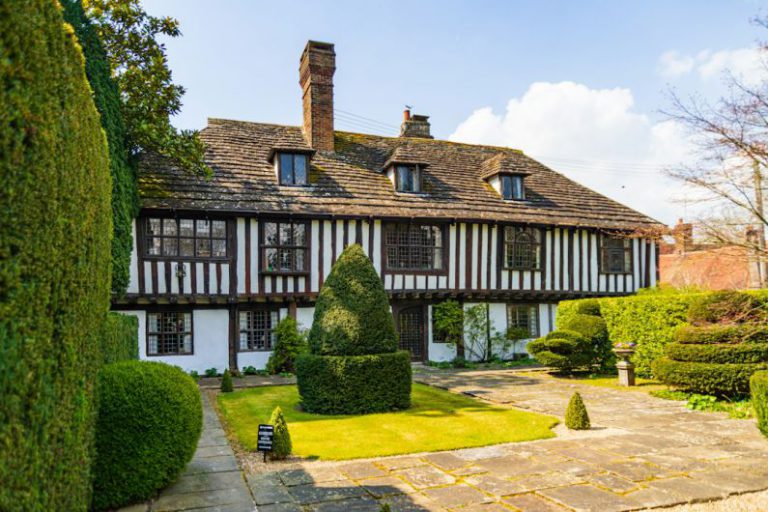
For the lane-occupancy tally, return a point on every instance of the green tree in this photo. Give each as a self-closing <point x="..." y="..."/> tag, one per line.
<point x="281" y="443"/>
<point x="55" y="225"/>
<point x="449" y="324"/>
<point x="576" y="417"/>
<point x="139" y="65"/>
<point x="481" y="339"/>
<point x="290" y="343"/>
<point x="106" y="95"/>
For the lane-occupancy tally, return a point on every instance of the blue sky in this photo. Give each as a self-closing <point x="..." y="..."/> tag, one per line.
<point x="472" y="66"/>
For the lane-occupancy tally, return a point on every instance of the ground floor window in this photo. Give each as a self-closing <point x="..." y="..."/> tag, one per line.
<point x="257" y="329"/>
<point x="524" y="316"/>
<point x="169" y="333"/>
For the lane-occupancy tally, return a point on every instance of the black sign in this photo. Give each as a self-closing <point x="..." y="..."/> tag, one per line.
<point x="266" y="435"/>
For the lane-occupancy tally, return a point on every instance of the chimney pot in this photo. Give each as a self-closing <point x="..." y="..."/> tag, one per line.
<point x="316" y="69"/>
<point x="406" y="114"/>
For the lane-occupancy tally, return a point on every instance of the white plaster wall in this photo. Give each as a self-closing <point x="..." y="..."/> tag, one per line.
<point x="437" y="351"/>
<point x="304" y="317"/>
<point x="256" y="359"/>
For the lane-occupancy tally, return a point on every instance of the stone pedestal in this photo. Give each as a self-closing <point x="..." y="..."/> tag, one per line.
<point x="626" y="373"/>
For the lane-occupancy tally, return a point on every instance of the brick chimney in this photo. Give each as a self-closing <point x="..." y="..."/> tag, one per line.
<point x="683" y="233"/>
<point x="316" y="69"/>
<point x="415" y="125"/>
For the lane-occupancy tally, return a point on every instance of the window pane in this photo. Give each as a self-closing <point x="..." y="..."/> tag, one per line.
<point x="203" y="247"/>
<point x="405" y="178"/>
<point x="271" y="259"/>
<point x="299" y="234"/>
<point x="186" y="227"/>
<point x="270" y="233"/>
<point x="219" y="229"/>
<point x="153" y="226"/>
<point x="286" y="169"/>
<point x="506" y="187"/>
<point x="517" y="187"/>
<point x="153" y="322"/>
<point x="299" y="254"/>
<point x="286" y="234"/>
<point x="170" y="247"/>
<point x="186" y="247"/>
<point x="300" y="169"/>
<point x="153" y="246"/>
<point x="219" y="248"/>
<point x="169" y="227"/>
<point x="203" y="228"/>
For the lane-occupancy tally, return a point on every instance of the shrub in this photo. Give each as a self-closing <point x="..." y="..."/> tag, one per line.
<point x="725" y="307"/>
<point x="758" y="385"/>
<point x="281" y="443"/>
<point x="54" y="260"/>
<point x="721" y="333"/>
<point x="120" y="341"/>
<point x="290" y="343"/>
<point x="576" y="416"/>
<point x="211" y="372"/>
<point x="352" y="315"/>
<point x="564" y="350"/>
<point x="595" y="330"/>
<point x="354" y="384"/>
<point x="719" y="353"/>
<point x="250" y="370"/>
<point x="707" y="378"/>
<point x="568" y="308"/>
<point x="150" y="418"/>
<point x="226" y="382"/>
<point x="448" y="321"/>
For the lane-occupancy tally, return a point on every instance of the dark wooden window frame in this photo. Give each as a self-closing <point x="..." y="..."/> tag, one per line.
<point x="508" y="245"/>
<point x="191" y="331"/>
<point x="502" y="177"/>
<point x="534" y="333"/>
<point x="423" y="272"/>
<point x="256" y="309"/>
<point x="145" y="236"/>
<point x="278" y="159"/>
<point x="263" y="247"/>
<point x="626" y="251"/>
<point x="418" y="176"/>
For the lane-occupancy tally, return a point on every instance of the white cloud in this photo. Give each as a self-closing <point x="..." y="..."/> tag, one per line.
<point x="745" y="63"/>
<point x="672" y="64"/>
<point x="594" y="137"/>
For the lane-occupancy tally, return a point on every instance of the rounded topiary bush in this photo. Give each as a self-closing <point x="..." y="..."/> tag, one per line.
<point x="721" y="333"/>
<point x="758" y="386"/>
<point x="352" y="315"/>
<point x="562" y="349"/>
<point x="149" y="422"/>
<point x="576" y="416"/>
<point x="589" y="307"/>
<point x="728" y="379"/>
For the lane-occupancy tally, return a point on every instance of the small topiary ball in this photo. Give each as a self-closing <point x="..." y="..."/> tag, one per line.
<point x="150" y="418"/>
<point x="281" y="443"/>
<point x="226" y="382"/>
<point x="576" y="417"/>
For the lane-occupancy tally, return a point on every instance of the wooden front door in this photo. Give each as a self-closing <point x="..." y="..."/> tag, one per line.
<point x="411" y="326"/>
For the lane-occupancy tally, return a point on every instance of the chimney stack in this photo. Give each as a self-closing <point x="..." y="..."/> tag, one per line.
<point x="683" y="233"/>
<point x="415" y="125"/>
<point x="316" y="69"/>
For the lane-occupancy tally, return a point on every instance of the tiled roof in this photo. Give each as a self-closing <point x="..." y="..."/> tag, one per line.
<point x="348" y="181"/>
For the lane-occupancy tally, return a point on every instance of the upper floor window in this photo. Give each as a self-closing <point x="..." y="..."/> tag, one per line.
<point x="285" y="247"/>
<point x="413" y="247"/>
<point x="512" y="186"/>
<point x="186" y="238"/>
<point x="524" y="317"/>
<point x="522" y="248"/>
<point x="293" y="169"/>
<point x="169" y="333"/>
<point x="257" y="329"/>
<point x="615" y="255"/>
<point x="407" y="178"/>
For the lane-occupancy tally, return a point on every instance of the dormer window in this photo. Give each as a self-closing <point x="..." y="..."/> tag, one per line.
<point x="512" y="187"/>
<point x="407" y="178"/>
<point x="293" y="169"/>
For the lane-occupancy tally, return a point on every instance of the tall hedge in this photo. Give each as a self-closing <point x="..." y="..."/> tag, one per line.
<point x="55" y="225"/>
<point x="120" y="341"/>
<point x="123" y="170"/>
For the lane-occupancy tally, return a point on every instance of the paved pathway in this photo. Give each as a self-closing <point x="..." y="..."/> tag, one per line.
<point x="212" y="481"/>
<point x="643" y="452"/>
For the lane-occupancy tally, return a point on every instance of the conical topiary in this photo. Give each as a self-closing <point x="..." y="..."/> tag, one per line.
<point x="576" y="417"/>
<point x="226" y="382"/>
<point x="281" y="443"/>
<point x="352" y="315"/>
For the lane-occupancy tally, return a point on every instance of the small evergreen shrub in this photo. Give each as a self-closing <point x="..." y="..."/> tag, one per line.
<point x="564" y="350"/>
<point x="725" y="307"/>
<point x="576" y="416"/>
<point x="281" y="442"/>
<point x="595" y="330"/>
<point x="707" y="378"/>
<point x="719" y="353"/>
<point x="226" y="382"/>
<point x="758" y="385"/>
<point x="352" y="314"/>
<point x="721" y="333"/>
<point x="211" y="372"/>
<point x="354" y="384"/>
<point x="149" y="422"/>
<point x="290" y="343"/>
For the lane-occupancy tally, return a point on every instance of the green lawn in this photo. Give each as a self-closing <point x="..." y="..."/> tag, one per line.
<point x="437" y="420"/>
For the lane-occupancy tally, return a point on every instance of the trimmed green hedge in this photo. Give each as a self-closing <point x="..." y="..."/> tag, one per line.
<point x="121" y="338"/>
<point x="758" y="385"/>
<point x="352" y="314"/>
<point x="354" y="384"/>
<point x="721" y="333"/>
<point x="718" y="353"/>
<point x="150" y="419"/>
<point x="568" y="308"/>
<point x="707" y="378"/>
<point x="55" y="225"/>
<point x="725" y="307"/>
<point x="565" y="350"/>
